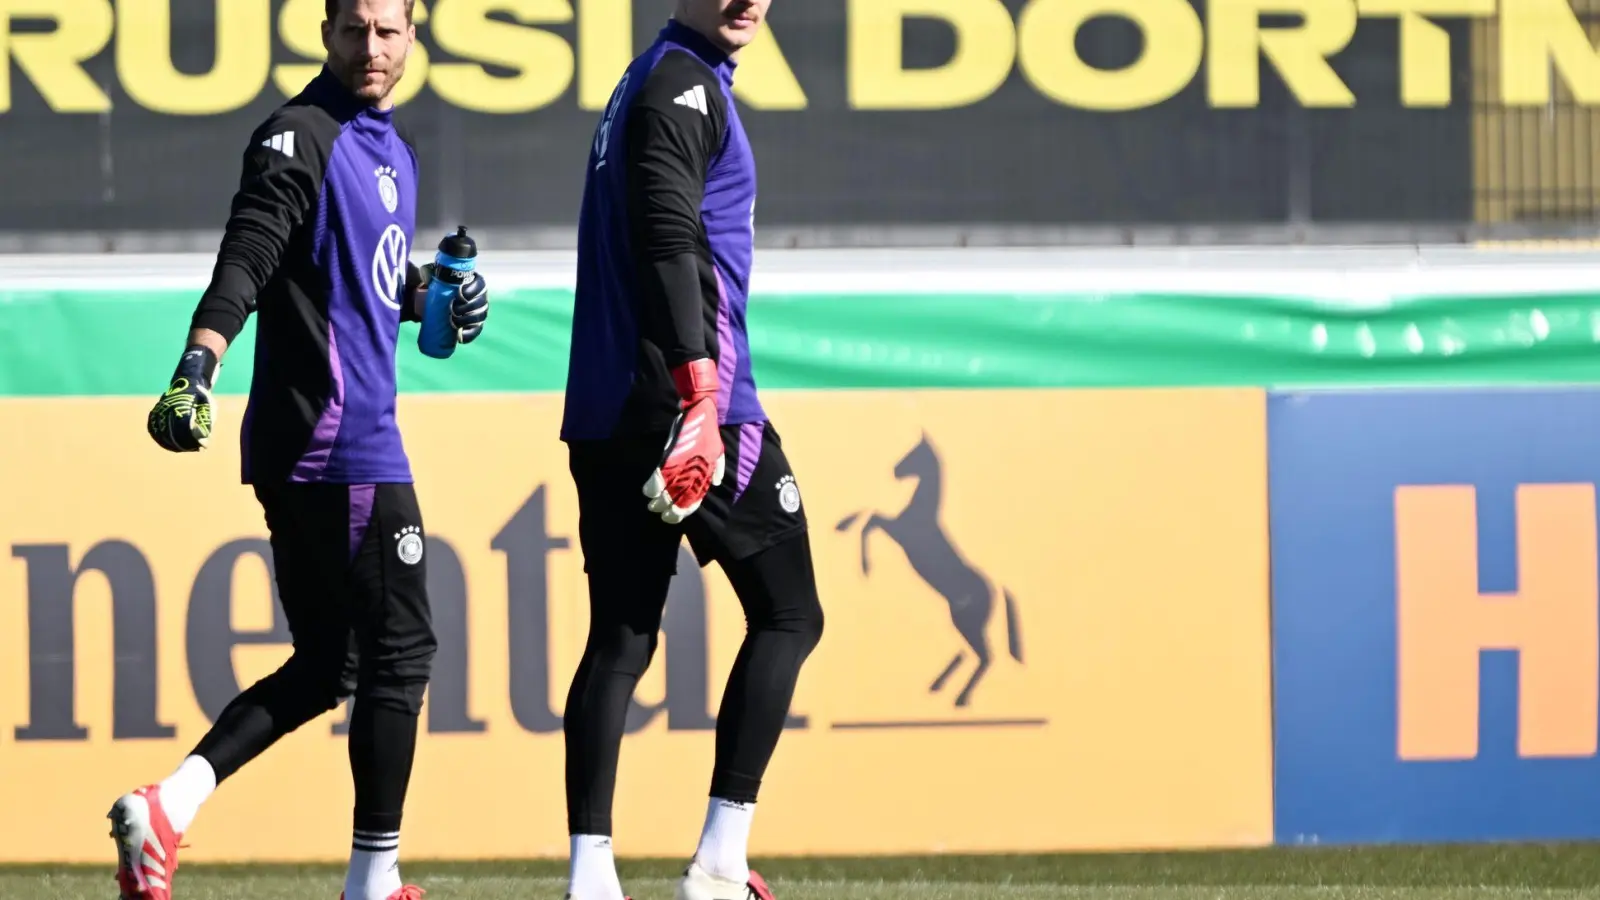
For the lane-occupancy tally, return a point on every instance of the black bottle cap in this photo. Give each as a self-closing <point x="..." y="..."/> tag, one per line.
<point x="459" y="245"/>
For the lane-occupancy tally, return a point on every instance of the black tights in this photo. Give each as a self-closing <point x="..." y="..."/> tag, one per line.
<point x="778" y="590"/>
<point x="338" y="600"/>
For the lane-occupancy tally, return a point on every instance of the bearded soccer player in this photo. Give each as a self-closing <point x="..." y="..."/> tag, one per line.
<point x="667" y="438"/>
<point x="317" y="244"/>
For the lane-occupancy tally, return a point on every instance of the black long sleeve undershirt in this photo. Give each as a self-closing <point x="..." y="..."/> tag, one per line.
<point x="675" y="131"/>
<point x="278" y="191"/>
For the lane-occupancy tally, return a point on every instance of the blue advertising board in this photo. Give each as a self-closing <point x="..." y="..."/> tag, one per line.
<point x="1435" y="618"/>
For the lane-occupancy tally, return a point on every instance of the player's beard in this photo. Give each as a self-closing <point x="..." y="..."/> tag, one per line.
<point x="374" y="88"/>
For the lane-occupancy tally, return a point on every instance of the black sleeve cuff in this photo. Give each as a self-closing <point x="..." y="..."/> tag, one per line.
<point x="220" y="316"/>
<point x="227" y="302"/>
<point x="408" y="302"/>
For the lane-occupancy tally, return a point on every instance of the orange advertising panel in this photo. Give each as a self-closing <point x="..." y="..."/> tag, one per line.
<point x="1120" y="538"/>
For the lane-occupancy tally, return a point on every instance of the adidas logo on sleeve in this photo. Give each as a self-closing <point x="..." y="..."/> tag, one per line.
<point x="695" y="99"/>
<point x="283" y="143"/>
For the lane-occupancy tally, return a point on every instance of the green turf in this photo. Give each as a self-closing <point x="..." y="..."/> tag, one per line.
<point x="1542" y="872"/>
<point x="661" y="889"/>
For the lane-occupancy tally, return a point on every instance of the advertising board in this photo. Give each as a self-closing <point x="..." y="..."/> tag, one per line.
<point x="1435" y="614"/>
<point x="1119" y="538"/>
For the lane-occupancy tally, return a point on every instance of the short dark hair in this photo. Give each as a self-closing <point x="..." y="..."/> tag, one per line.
<point x="330" y="8"/>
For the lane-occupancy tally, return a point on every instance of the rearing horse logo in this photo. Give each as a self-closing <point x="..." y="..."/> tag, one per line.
<point x="968" y="592"/>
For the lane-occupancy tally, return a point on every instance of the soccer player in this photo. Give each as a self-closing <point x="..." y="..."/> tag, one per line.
<point x="317" y="244"/>
<point x="666" y="438"/>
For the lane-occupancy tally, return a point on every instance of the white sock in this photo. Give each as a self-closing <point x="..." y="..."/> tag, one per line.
<point x="374" y="866"/>
<point x="593" y="872"/>
<point x="725" y="840"/>
<point x="185" y="789"/>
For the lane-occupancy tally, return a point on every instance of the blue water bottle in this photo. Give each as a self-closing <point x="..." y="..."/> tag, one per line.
<point x="452" y="267"/>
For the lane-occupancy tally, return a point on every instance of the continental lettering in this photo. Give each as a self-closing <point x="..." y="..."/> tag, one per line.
<point x="449" y="692"/>
<point x="210" y="634"/>
<point x="52" y="650"/>
<point x="526" y="543"/>
<point x="683" y="626"/>
<point x="212" y="637"/>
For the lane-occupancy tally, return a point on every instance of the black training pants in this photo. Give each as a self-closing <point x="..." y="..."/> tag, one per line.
<point x="753" y="527"/>
<point x="352" y="583"/>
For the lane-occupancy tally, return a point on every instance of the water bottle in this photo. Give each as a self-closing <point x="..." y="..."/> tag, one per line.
<point x="452" y="267"/>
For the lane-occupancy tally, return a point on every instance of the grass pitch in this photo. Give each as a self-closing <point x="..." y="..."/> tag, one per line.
<point x="1479" y="872"/>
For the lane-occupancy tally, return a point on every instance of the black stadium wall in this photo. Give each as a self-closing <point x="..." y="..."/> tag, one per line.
<point x="133" y="115"/>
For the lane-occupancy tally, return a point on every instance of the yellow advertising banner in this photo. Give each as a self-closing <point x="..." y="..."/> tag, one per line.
<point x="1534" y="44"/>
<point x="1122" y="534"/>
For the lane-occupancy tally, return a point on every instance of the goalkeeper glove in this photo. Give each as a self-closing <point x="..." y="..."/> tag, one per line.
<point x="181" y="419"/>
<point x="692" y="462"/>
<point x="469" y="308"/>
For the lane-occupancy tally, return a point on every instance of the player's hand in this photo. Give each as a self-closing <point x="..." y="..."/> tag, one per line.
<point x="181" y="419"/>
<point x="470" y="308"/>
<point x="692" y="462"/>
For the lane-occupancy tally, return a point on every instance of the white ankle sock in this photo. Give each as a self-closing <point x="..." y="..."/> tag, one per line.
<point x="593" y="869"/>
<point x="185" y="789"/>
<point x="374" y="872"/>
<point x="725" y="840"/>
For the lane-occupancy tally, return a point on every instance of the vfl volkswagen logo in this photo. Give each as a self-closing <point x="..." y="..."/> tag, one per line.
<point x="966" y="590"/>
<point x="389" y="266"/>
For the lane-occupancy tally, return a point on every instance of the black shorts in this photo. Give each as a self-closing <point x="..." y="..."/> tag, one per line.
<point x="348" y="561"/>
<point x="756" y="506"/>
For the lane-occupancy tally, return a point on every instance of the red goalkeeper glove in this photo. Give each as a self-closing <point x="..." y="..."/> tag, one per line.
<point x="692" y="462"/>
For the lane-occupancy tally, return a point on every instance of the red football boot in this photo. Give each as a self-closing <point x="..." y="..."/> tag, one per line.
<point x="409" y="892"/>
<point x="758" y="887"/>
<point x="147" y="845"/>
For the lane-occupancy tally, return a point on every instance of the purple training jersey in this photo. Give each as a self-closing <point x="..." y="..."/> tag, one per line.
<point x="665" y="244"/>
<point x="318" y="246"/>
